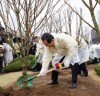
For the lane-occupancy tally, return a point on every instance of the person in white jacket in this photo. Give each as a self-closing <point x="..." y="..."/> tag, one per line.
<point x="83" y="51"/>
<point x="38" y="55"/>
<point x="8" y="55"/>
<point x="39" y="51"/>
<point x="94" y="52"/>
<point x="98" y="55"/>
<point x="63" y="45"/>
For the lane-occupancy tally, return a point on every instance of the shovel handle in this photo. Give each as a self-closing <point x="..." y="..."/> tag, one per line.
<point x="46" y="72"/>
<point x="49" y="71"/>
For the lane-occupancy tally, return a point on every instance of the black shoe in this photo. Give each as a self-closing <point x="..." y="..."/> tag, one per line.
<point x="83" y="74"/>
<point x="79" y="73"/>
<point x="53" y="83"/>
<point x="73" y="85"/>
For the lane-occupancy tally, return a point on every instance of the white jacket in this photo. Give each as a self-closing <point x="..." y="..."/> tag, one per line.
<point x="8" y="55"/>
<point x="40" y="48"/>
<point x="94" y="51"/>
<point x="63" y="44"/>
<point x="83" y="51"/>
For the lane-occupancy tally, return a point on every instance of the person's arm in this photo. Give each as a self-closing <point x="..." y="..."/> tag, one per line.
<point x="46" y="59"/>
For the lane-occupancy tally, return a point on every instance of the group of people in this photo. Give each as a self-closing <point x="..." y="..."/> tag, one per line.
<point x="73" y="51"/>
<point x="7" y="53"/>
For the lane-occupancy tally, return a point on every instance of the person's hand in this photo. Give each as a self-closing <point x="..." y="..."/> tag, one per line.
<point x="42" y="72"/>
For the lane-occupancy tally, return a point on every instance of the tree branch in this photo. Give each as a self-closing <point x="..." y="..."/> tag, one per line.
<point x="79" y="15"/>
<point x="85" y="4"/>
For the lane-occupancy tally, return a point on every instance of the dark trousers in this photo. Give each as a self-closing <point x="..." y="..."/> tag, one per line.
<point x="82" y="67"/>
<point x="95" y="60"/>
<point x="54" y="76"/>
<point x="74" y="69"/>
<point x="1" y="63"/>
<point x="37" y="67"/>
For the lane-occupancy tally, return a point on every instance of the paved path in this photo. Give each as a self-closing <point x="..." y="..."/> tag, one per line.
<point x="94" y="75"/>
<point x="7" y="79"/>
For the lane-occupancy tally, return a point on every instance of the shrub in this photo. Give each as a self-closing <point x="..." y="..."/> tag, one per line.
<point x="97" y="69"/>
<point x="16" y="64"/>
<point x="90" y="61"/>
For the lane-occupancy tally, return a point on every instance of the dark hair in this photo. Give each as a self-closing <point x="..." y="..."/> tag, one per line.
<point x="47" y="36"/>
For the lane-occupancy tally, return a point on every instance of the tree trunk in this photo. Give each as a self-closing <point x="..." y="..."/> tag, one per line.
<point x="24" y="71"/>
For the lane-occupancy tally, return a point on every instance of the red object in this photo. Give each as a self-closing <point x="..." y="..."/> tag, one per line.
<point x="57" y="66"/>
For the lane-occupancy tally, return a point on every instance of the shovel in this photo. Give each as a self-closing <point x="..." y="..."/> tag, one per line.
<point x="29" y="79"/>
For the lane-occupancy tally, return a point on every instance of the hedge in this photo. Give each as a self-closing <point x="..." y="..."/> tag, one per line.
<point x="90" y="61"/>
<point x="16" y="64"/>
<point x="97" y="69"/>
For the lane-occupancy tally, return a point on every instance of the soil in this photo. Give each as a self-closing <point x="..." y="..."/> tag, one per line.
<point x="87" y="86"/>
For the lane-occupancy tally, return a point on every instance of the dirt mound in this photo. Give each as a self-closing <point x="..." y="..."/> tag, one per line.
<point x="6" y="92"/>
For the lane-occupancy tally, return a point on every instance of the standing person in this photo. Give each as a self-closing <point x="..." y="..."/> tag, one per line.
<point x="8" y="55"/>
<point x="32" y="49"/>
<point x="63" y="45"/>
<point x="2" y="50"/>
<point x="39" y="54"/>
<point x="17" y="46"/>
<point x="94" y="51"/>
<point x="83" y="55"/>
<point x="98" y="52"/>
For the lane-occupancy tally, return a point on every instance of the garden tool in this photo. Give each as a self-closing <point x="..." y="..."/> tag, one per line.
<point x="31" y="78"/>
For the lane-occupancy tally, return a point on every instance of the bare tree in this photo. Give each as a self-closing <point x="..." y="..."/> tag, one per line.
<point x="48" y="24"/>
<point x="53" y="22"/>
<point x="68" y="18"/>
<point x="91" y="7"/>
<point x="57" y="22"/>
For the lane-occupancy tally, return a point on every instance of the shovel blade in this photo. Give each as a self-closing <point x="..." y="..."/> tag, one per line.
<point x="20" y="81"/>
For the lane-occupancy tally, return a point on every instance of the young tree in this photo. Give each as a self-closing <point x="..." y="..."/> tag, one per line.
<point x="28" y="15"/>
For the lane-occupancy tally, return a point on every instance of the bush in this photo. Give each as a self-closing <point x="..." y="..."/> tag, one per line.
<point x="16" y="64"/>
<point x="90" y="61"/>
<point x="97" y="69"/>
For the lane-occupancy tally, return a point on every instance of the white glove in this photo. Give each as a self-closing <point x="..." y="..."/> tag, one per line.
<point x="42" y="72"/>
